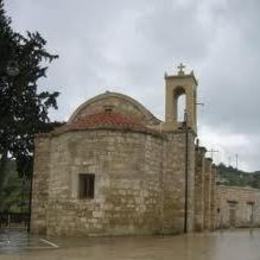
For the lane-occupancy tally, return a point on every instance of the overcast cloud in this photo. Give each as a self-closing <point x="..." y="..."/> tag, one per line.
<point x="126" y="46"/>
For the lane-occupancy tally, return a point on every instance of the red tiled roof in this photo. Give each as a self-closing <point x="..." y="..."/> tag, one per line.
<point x="110" y="120"/>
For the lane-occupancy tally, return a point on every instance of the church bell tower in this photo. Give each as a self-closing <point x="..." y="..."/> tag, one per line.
<point x="176" y="86"/>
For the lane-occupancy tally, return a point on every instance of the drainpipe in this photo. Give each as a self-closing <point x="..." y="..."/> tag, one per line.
<point x="186" y="171"/>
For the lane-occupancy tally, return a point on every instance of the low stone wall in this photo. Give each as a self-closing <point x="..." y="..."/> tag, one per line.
<point x="237" y="206"/>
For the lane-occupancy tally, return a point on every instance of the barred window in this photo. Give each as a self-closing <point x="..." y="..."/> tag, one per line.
<point x="86" y="186"/>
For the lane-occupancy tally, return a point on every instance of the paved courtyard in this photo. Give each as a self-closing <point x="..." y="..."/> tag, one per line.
<point x="235" y="245"/>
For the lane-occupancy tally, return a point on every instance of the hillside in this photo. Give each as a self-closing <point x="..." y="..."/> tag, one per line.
<point x="235" y="177"/>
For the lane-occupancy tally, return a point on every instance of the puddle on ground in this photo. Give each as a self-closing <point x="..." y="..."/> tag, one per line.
<point x="235" y="245"/>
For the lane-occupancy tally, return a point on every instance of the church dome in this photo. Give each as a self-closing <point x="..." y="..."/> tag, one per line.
<point x="118" y="103"/>
<point x="112" y="111"/>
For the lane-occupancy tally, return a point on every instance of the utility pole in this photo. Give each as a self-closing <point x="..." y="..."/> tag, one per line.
<point x="212" y="151"/>
<point x="186" y="170"/>
<point x="186" y="128"/>
<point x="229" y="160"/>
<point x="236" y="161"/>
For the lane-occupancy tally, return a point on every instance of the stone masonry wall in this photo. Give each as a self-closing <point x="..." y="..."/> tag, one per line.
<point x="199" y="189"/>
<point x="213" y="198"/>
<point x="139" y="183"/>
<point x="207" y="194"/>
<point x="174" y="183"/>
<point x="128" y="172"/>
<point x="237" y="206"/>
<point x="40" y="192"/>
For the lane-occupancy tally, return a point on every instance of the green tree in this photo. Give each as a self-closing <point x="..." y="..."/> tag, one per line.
<point x="23" y="109"/>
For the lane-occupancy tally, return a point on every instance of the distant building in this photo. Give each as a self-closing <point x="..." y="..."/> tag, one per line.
<point x="115" y="169"/>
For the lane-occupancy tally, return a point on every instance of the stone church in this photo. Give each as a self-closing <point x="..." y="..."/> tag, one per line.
<point x="115" y="169"/>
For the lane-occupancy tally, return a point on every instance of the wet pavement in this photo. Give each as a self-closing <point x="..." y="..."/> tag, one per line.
<point x="240" y="244"/>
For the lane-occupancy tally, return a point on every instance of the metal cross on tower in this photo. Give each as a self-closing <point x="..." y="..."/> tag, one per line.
<point x="181" y="67"/>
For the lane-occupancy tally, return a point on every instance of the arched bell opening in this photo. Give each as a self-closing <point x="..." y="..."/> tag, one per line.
<point x="180" y="104"/>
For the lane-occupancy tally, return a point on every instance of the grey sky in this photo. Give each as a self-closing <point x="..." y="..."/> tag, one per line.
<point x="126" y="46"/>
